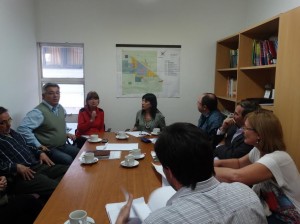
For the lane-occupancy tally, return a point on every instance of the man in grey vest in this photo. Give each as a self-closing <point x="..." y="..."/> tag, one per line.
<point x="45" y="127"/>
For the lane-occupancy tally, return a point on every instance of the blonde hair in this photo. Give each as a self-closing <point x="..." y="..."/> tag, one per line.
<point x="269" y="129"/>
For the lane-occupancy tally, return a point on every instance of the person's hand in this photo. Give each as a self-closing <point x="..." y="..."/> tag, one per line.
<point x="45" y="159"/>
<point x="71" y="136"/>
<point x="93" y="115"/>
<point x="3" y="183"/>
<point x="227" y="123"/>
<point x="43" y="148"/>
<point x="25" y="172"/>
<point x="125" y="211"/>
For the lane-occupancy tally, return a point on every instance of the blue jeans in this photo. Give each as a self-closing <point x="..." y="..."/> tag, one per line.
<point x="63" y="154"/>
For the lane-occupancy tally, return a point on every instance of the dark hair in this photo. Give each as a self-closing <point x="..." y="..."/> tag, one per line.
<point x="153" y="101"/>
<point x="187" y="152"/>
<point x="47" y="85"/>
<point x="210" y="101"/>
<point x="3" y="110"/>
<point x="91" y="95"/>
<point x="248" y="106"/>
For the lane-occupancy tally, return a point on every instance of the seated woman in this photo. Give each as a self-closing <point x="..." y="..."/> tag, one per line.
<point x="90" y="118"/>
<point x="149" y="117"/>
<point x="268" y="167"/>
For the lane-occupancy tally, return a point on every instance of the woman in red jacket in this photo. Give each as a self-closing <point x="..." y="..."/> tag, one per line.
<point x="91" y="117"/>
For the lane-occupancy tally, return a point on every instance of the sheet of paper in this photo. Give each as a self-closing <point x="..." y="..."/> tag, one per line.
<point x="122" y="147"/>
<point x="159" y="169"/>
<point x="159" y="197"/>
<point x="137" y="133"/>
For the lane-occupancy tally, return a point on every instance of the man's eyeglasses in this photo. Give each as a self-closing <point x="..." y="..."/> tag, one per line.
<point x="53" y="93"/>
<point x="6" y="122"/>
<point x="248" y="129"/>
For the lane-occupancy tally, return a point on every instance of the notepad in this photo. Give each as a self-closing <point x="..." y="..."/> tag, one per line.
<point x="140" y="210"/>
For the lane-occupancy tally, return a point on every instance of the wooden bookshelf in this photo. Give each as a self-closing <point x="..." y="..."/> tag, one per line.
<point x="251" y="80"/>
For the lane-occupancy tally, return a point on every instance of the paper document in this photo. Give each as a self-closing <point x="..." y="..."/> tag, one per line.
<point x="112" y="155"/>
<point x="159" y="169"/>
<point x="137" y="133"/>
<point x="119" y="147"/>
<point x="140" y="210"/>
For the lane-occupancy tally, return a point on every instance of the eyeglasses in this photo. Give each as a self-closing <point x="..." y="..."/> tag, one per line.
<point x="6" y="122"/>
<point x="53" y="93"/>
<point x="248" y="129"/>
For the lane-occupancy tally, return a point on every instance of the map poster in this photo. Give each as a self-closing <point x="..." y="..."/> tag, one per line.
<point x="148" y="69"/>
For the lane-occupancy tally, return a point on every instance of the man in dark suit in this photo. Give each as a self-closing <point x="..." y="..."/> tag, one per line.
<point x="230" y="135"/>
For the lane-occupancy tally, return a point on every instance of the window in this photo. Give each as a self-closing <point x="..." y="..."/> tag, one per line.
<point x="63" y="64"/>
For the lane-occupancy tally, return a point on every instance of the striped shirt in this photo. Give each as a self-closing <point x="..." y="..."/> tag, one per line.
<point x="211" y="202"/>
<point x="13" y="151"/>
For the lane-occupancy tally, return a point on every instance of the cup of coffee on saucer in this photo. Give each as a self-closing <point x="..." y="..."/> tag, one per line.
<point x="94" y="138"/>
<point x="88" y="157"/>
<point x="156" y="131"/>
<point x="121" y="135"/>
<point x="136" y="152"/>
<point x="78" y="217"/>
<point x="129" y="160"/>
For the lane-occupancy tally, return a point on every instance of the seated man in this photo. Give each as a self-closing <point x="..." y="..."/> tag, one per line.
<point x="30" y="169"/>
<point x="211" y="118"/>
<point x="187" y="159"/>
<point x="231" y="133"/>
<point x="17" y="208"/>
<point x="45" y="128"/>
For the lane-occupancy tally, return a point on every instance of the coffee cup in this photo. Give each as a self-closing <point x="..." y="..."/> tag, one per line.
<point x="94" y="137"/>
<point x="78" y="217"/>
<point x="88" y="157"/>
<point x="122" y="134"/>
<point x="129" y="160"/>
<point x="156" y="130"/>
<point x="135" y="152"/>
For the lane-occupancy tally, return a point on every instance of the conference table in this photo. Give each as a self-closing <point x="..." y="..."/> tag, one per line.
<point x="90" y="187"/>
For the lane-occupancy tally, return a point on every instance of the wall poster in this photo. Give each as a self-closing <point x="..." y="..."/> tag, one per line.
<point x="148" y="69"/>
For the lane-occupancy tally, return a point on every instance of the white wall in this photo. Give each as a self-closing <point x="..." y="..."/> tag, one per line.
<point x="258" y="10"/>
<point x="19" y="83"/>
<point x="101" y="24"/>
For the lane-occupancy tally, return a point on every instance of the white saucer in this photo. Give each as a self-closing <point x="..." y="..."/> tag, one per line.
<point x="141" y="156"/>
<point x="155" y="133"/>
<point x="89" y="221"/>
<point x="118" y="137"/>
<point x="98" y="140"/>
<point x="135" y="163"/>
<point x="83" y="162"/>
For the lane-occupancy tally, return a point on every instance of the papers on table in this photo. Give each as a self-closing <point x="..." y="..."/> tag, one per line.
<point x="140" y="210"/>
<point x="137" y="133"/>
<point x="159" y="169"/>
<point x="112" y="155"/>
<point x="119" y="147"/>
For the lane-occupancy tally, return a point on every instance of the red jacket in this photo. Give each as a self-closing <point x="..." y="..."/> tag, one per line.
<point x="85" y="127"/>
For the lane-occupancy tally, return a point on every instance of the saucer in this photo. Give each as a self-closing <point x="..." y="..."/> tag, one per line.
<point x="83" y="162"/>
<point x="141" y="156"/>
<point x="98" y="140"/>
<point x="125" y="137"/>
<point x="89" y="221"/>
<point x="135" y="163"/>
<point x="155" y="133"/>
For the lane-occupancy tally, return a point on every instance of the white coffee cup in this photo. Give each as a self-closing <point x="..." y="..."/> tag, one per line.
<point x="88" y="157"/>
<point x="129" y="160"/>
<point x="122" y="134"/>
<point x="78" y="217"/>
<point x="156" y="130"/>
<point x="94" y="137"/>
<point x="135" y="152"/>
